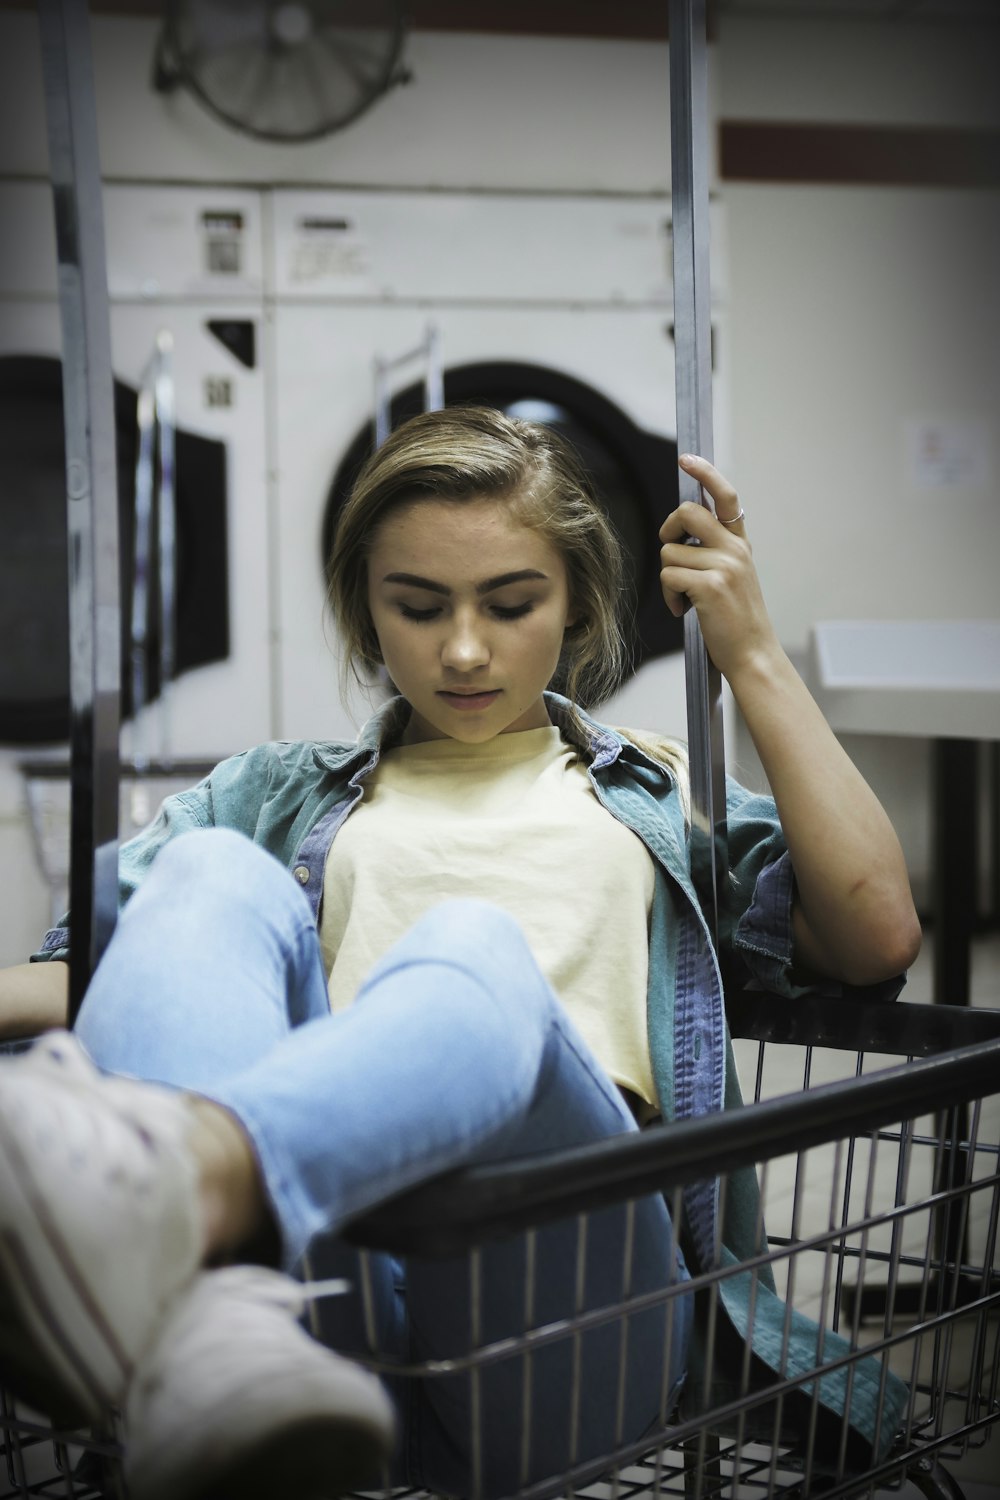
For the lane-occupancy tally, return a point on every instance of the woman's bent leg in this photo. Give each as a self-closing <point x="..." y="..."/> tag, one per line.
<point x="213" y="983"/>
<point x="456" y="1051"/>
<point x="213" y="961"/>
<point x="438" y="1057"/>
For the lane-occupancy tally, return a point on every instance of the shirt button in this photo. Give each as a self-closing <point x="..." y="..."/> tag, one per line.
<point x="301" y="873"/>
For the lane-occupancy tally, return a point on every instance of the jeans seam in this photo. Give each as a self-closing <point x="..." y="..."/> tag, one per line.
<point x="422" y="961"/>
<point x="605" y="1083"/>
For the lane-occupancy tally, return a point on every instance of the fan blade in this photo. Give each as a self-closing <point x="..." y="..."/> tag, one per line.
<point x="317" y="81"/>
<point x="289" y="70"/>
<point x="350" y="52"/>
<point x="236" y="82"/>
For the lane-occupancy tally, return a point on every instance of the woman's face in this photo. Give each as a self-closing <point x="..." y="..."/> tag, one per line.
<point x="448" y="624"/>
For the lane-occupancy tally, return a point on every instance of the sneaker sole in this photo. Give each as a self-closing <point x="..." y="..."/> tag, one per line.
<point x="319" y="1457"/>
<point x="56" y="1352"/>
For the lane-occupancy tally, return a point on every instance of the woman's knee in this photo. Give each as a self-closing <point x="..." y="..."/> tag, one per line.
<point x="204" y="851"/>
<point x="209" y="864"/>
<point x="488" y="944"/>
<point x="471" y="923"/>
<point x="483" y="936"/>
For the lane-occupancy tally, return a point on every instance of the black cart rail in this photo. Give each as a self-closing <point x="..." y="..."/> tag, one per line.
<point x="879" y="1167"/>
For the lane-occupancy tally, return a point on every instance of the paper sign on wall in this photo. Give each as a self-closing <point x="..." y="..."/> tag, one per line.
<point x="947" y="454"/>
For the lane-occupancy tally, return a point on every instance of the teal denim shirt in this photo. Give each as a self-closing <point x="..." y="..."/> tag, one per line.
<point x="293" y="797"/>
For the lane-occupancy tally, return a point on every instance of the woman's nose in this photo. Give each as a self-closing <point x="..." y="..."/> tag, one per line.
<point x="465" y="646"/>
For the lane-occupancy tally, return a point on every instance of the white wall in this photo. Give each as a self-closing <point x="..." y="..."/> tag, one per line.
<point x="481" y="112"/>
<point x="853" y="311"/>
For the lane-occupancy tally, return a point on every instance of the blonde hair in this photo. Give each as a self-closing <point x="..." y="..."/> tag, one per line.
<point x="470" y="453"/>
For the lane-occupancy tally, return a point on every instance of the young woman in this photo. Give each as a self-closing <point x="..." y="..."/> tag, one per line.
<point x="341" y="969"/>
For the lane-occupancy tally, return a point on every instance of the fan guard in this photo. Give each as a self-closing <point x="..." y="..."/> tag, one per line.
<point x="282" y="70"/>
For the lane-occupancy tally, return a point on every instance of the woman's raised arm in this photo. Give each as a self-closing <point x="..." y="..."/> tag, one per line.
<point x="854" y="918"/>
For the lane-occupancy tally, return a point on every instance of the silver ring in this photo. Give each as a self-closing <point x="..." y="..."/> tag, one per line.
<point x="735" y="520"/>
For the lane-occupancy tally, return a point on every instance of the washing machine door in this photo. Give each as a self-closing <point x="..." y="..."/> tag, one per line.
<point x="634" y="474"/>
<point x="34" y="606"/>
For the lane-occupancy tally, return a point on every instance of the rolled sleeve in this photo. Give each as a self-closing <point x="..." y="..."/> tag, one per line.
<point x="764" y="937"/>
<point x="55" y="946"/>
<point x="765" y="941"/>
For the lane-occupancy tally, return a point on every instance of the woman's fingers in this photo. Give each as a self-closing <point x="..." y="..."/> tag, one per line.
<point x="727" y="502"/>
<point x="693" y="520"/>
<point x="724" y="496"/>
<point x="708" y="563"/>
<point x="676" y="603"/>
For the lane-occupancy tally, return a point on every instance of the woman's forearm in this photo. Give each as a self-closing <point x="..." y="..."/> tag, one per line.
<point x="33" y="998"/>
<point x="854" y="918"/>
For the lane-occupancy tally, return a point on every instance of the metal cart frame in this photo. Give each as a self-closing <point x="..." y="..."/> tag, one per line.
<point x="909" y="1193"/>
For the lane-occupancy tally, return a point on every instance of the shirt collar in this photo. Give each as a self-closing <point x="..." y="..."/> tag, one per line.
<point x="600" y="745"/>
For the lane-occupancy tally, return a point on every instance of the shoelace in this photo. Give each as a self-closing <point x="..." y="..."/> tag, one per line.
<point x="261" y="1284"/>
<point x="333" y="1286"/>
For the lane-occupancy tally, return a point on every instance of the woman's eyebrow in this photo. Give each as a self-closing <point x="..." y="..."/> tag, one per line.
<point x="486" y="587"/>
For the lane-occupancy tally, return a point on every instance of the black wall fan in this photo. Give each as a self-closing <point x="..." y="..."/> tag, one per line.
<point x="282" y="70"/>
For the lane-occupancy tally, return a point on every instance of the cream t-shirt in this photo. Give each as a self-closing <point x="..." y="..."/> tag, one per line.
<point x="514" y="821"/>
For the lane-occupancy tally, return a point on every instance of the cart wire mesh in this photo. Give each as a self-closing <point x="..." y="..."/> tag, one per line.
<point x="877" y="1162"/>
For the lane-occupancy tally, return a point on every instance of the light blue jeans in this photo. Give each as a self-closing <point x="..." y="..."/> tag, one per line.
<point x="456" y="1051"/>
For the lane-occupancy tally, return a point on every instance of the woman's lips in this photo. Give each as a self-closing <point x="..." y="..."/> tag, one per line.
<point x="469" y="701"/>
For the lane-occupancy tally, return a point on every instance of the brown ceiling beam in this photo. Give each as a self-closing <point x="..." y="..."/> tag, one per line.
<point x="761" y="151"/>
<point x="624" y="20"/>
<point x="637" y="20"/>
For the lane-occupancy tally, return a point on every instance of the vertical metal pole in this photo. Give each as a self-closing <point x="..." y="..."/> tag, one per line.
<point x="689" y="148"/>
<point x="91" y="484"/>
<point x="433" y="370"/>
<point x="380" y="368"/>
<point x="955" y="800"/>
<point x="167" y="550"/>
<point x="142" y="560"/>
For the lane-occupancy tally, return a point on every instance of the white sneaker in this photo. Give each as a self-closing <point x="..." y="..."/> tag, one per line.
<point x="234" y="1398"/>
<point x="99" y="1227"/>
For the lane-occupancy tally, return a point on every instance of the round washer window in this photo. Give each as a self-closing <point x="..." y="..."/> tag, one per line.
<point x="634" y="474"/>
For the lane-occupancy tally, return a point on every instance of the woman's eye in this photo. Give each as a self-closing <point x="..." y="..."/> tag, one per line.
<point x="502" y="612"/>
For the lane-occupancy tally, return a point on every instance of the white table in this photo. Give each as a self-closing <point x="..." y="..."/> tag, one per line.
<point x="938" y="679"/>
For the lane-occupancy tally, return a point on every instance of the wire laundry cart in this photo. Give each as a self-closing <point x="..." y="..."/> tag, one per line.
<point x="875" y="1134"/>
<point x="879" y="1183"/>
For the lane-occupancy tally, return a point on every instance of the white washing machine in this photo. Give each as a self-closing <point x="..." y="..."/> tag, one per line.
<point x="548" y="306"/>
<point x="189" y="262"/>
